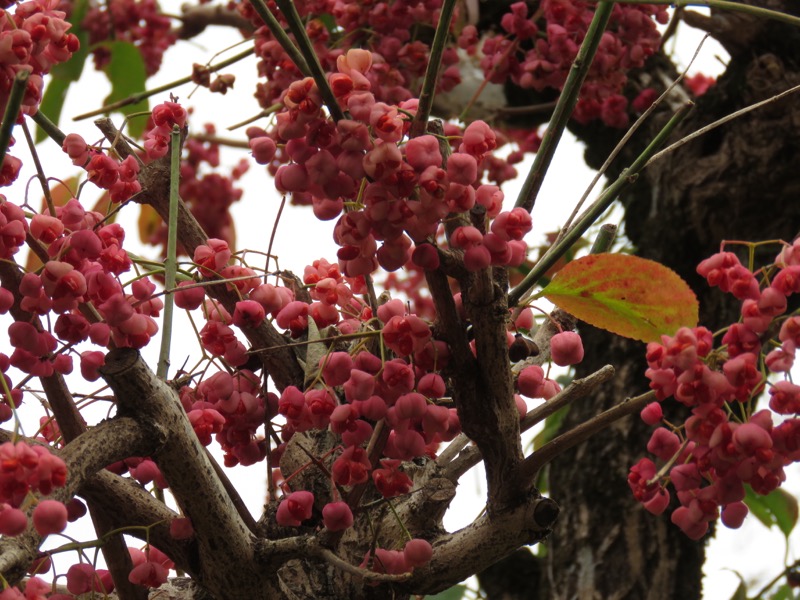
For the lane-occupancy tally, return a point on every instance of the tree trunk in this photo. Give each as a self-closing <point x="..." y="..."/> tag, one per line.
<point x="738" y="182"/>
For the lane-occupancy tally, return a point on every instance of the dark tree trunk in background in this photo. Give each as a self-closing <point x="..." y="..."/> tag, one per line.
<point x="739" y="182"/>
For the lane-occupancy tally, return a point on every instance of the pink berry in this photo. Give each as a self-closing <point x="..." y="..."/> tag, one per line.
<point x="50" y="516"/>
<point x="337" y="516"/>
<point x="566" y="348"/>
<point x="417" y="552"/>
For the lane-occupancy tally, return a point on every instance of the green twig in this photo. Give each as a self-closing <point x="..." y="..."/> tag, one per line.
<point x="136" y="98"/>
<point x="39" y="171"/>
<point x="50" y="128"/>
<point x="591" y="214"/>
<point x="755" y="11"/>
<point x="312" y="60"/>
<point x="171" y="262"/>
<point x="420" y="122"/>
<point x="604" y="239"/>
<point x="279" y="34"/>
<point x="12" y="110"/>
<point x="566" y="104"/>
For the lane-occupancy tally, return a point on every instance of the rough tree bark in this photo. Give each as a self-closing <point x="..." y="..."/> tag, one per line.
<point x="737" y="182"/>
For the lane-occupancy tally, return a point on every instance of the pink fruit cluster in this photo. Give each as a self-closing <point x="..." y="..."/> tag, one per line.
<point x="725" y="444"/>
<point x="537" y="49"/>
<point x="26" y="469"/>
<point x="33" y="38"/>
<point x="139" y="22"/>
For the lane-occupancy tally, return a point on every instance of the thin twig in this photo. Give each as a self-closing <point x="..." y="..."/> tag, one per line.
<point x="136" y="98"/>
<point x="722" y="121"/>
<point x="420" y="122"/>
<point x="39" y="170"/>
<point x="171" y="261"/>
<point x="533" y="463"/>
<point x="565" y="105"/>
<point x="591" y="214"/>
<point x="15" y="98"/>
<point x="623" y="142"/>
<point x="312" y="60"/>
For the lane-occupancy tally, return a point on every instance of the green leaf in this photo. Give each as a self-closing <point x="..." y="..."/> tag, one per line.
<point x="552" y="426"/>
<point x="776" y="508"/>
<point x="454" y="593"/>
<point x="624" y="294"/>
<point x="126" y="72"/>
<point x="784" y="592"/>
<point x="740" y="593"/>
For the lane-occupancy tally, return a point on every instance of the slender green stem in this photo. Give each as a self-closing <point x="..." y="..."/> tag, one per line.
<point x="592" y="213"/>
<point x="420" y="123"/>
<point x="312" y="60"/>
<point x="756" y="11"/>
<point x="136" y="98"/>
<point x="171" y="262"/>
<point x="565" y="105"/>
<point x="279" y="34"/>
<point x="604" y="239"/>
<point x="39" y="171"/>
<point x="12" y="110"/>
<point x="50" y="128"/>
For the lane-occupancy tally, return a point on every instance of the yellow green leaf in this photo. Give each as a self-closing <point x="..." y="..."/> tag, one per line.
<point x="624" y="294"/>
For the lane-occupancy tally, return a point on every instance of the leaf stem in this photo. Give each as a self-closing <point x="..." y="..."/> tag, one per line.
<point x="312" y="60"/>
<point x="12" y="110"/>
<point x="564" y="107"/>
<point x="39" y="171"/>
<point x="136" y="98"/>
<point x="50" y="128"/>
<point x="592" y="213"/>
<point x="420" y="122"/>
<point x="171" y="262"/>
<point x="279" y="34"/>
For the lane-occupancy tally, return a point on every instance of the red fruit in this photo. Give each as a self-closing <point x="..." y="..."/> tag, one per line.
<point x="531" y="381"/>
<point x="248" y="313"/>
<point x="75" y="510"/>
<point x="652" y="413"/>
<point x="12" y="520"/>
<point x="191" y="298"/>
<point x="50" y="516"/>
<point x="733" y="514"/>
<point x="417" y="552"/>
<point x="79" y="578"/>
<point x="337" y="516"/>
<point x="181" y="528"/>
<point x="148" y="574"/>
<point x="566" y="348"/>
<point x="295" y="508"/>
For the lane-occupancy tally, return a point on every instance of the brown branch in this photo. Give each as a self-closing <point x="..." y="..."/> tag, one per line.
<point x="533" y="463"/>
<point x="195" y="19"/>
<point x="223" y="539"/>
<point x="489" y="538"/>
<point x="456" y="462"/>
<point x="100" y="446"/>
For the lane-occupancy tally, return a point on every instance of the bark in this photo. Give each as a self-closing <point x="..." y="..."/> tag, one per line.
<point x="738" y="182"/>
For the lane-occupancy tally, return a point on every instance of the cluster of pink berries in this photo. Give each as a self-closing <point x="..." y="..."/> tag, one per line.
<point x="139" y="22"/>
<point x="34" y="39"/>
<point x="540" y="60"/>
<point x="26" y="469"/>
<point x="725" y="444"/>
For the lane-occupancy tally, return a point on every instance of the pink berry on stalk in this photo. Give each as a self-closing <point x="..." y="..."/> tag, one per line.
<point x="566" y="348"/>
